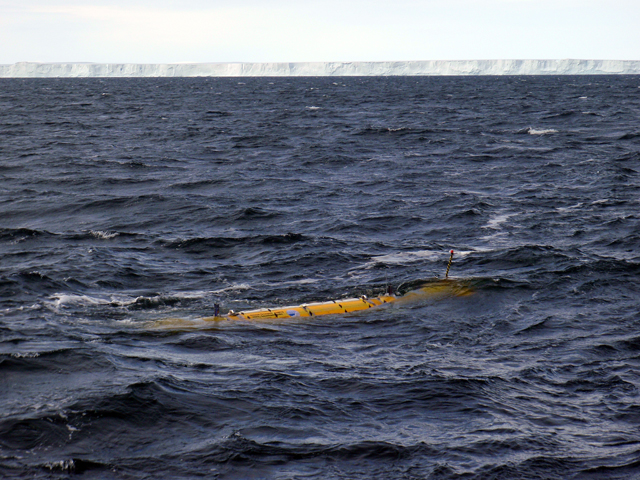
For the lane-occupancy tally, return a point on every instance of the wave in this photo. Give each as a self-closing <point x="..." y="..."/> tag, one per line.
<point x="630" y="136"/>
<point x="407" y="257"/>
<point x="17" y="235"/>
<point x="203" y="343"/>
<point x="103" y="235"/>
<point x="414" y="256"/>
<point x="394" y="131"/>
<point x="538" y="131"/>
<point x="77" y="466"/>
<point x="20" y="235"/>
<point x="63" y="300"/>
<point x="62" y="359"/>
<point x="628" y="157"/>
<point x="60" y="301"/>
<point x="255" y="213"/>
<point x="203" y="244"/>
<point x="566" y="113"/>
<point x="218" y="113"/>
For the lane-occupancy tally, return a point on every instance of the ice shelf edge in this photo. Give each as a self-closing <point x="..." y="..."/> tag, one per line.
<point x="322" y="69"/>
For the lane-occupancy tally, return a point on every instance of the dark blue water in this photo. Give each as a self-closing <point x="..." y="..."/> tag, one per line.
<point x="127" y="202"/>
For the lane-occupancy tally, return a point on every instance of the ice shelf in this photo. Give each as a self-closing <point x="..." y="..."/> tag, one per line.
<point x="322" y="69"/>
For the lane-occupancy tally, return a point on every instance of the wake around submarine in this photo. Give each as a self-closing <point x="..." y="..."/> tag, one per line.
<point x="418" y="291"/>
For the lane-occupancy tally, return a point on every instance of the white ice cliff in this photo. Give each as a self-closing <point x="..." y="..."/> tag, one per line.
<point x="321" y="69"/>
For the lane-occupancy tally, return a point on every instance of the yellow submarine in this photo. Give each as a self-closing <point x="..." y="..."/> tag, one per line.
<point x="423" y="290"/>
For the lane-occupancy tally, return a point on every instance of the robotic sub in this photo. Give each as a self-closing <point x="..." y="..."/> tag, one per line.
<point x="416" y="291"/>
<point x="430" y="289"/>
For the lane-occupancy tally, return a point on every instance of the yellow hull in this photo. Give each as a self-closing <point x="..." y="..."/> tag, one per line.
<point x="309" y="309"/>
<point x="349" y="305"/>
<point x="432" y="289"/>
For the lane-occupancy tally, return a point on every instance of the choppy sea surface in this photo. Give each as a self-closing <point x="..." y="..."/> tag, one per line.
<point x="127" y="202"/>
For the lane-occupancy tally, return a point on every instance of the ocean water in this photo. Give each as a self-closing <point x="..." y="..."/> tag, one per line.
<point x="125" y="203"/>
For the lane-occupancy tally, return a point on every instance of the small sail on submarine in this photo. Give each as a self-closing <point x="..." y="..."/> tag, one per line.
<point x="417" y="291"/>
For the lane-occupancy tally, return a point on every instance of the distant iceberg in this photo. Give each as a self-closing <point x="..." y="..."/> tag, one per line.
<point x="324" y="69"/>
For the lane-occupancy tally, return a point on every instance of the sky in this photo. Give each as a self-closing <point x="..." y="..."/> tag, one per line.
<point x="209" y="31"/>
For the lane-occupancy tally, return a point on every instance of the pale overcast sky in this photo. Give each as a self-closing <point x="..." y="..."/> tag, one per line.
<point x="171" y="31"/>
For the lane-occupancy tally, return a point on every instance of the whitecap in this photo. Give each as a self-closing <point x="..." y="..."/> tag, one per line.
<point x="570" y="208"/>
<point x="304" y="281"/>
<point x="233" y="288"/>
<point x="543" y="131"/>
<point x="414" y="256"/>
<point x="104" y="235"/>
<point x="404" y="257"/>
<point x="25" y="355"/>
<point x="61" y="299"/>
<point x="496" y="221"/>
